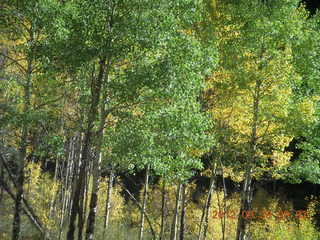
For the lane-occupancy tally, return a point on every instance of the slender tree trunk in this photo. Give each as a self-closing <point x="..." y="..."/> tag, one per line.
<point x="222" y="205"/>
<point x="66" y="173"/>
<point x="206" y="207"/>
<point x="96" y="86"/>
<point x="108" y="203"/>
<point x="53" y="200"/>
<point x="92" y="115"/>
<point x="95" y="179"/>
<point x="75" y="170"/>
<point x="85" y="196"/>
<point x="220" y="210"/>
<point x="174" y="227"/>
<point x="67" y="193"/>
<point x="243" y="232"/>
<point x="144" y="203"/>
<point x="71" y="170"/>
<point x="16" y="226"/>
<point x="163" y="210"/>
<point x="206" y="218"/>
<point x="103" y="114"/>
<point x="82" y="195"/>
<point x="20" y="181"/>
<point x="63" y="207"/>
<point x="183" y="212"/>
<point x="1" y="177"/>
<point x="246" y="199"/>
<point x="93" y="199"/>
<point x="223" y="225"/>
<point x="96" y="165"/>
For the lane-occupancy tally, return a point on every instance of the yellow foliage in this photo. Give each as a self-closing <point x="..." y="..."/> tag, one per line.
<point x="117" y="202"/>
<point x="291" y="227"/>
<point x="40" y="191"/>
<point x="250" y="96"/>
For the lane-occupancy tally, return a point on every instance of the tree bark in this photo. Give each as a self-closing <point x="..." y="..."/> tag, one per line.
<point x="19" y="194"/>
<point x="92" y="115"/>
<point x="163" y="209"/>
<point x="53" y="200"/>
<point x="97" y="162"/>
<point x="144" y="203"/>
<point x="108" y="203"/>
<point x="83" y="203"/>
<point x="206" y="219"/>
<point x="243" y="231"/>
<point x="16" y="225"/>
<point x="183" y="212"/>
<point x="75" y="172"/>
<point x="66" y="173"/>
<point x="206" y="207"/>
<point x="1" y="177"/>
<point x="96" y="172"/>
<point x="246" y="199"/>
<point x="93" y="200"/>
<point x="81" y="197"/>
<point x="174" y="227"/>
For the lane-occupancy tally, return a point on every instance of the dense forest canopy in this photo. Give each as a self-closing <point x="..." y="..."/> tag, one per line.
<point x="159" y="119"/>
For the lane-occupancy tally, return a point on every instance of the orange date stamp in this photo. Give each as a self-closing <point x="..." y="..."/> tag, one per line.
<point x="265" y="214"/>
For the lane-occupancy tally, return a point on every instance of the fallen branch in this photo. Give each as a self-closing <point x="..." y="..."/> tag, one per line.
<point x="27" y="209"/>
<point x="140" y="207"/>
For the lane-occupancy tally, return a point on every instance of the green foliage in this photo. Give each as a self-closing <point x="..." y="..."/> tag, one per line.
<point x="155" y="66"/>
<point x="307" y="166"/>
<point x="171" y="139"/>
